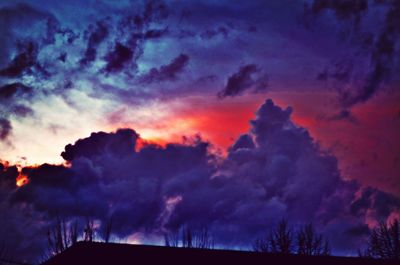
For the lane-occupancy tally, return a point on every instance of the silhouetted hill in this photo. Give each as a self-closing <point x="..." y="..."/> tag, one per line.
<point x="107" y="253"/>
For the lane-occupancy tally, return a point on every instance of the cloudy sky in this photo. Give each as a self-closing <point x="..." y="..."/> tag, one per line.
<point x="225" y="114"/>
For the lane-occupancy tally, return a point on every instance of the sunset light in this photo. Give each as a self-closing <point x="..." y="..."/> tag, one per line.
<point x="257" y="126"/>
<point x="21" y="180"/>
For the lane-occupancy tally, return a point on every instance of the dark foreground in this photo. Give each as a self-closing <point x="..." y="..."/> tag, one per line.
<point x="106" y="253"/>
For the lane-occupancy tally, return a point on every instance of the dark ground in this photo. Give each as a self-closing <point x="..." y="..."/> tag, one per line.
<point x="107" y="253"/>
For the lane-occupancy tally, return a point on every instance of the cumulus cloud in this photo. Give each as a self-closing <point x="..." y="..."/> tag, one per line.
<point x="244" y="79"/>
<point x="273" y="171"/>
<point x="121" y="143"/>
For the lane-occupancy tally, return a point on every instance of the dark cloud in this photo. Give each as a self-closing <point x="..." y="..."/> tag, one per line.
<point x="12" y="99"/>
<point x="244" y="141"/>
<point x="21" y="110"/>
<point x="155" y="10"/>
<point x="11" y="18"/>
<point x="206" y="79"/>
<point x="381" y="46"/>
<point x="343" y="9"/>
<point x="117" y="58"/>
<point x="8" y="91"/>
<point x="374" y="203"/>
<point x="121" y="143"/>
<point x="340" y="72"/>
<point x="63" y="57"/>
<point x="97" y="34"/>
<point x="22" y="61"/>
<point x="383" y="61"/>
<point x="343" y="115"/>
<point x="168" y="72"/>
<point x="5" y="128"/>
<point x="155" y="33"/>
<point x="244" y="80"/>
<point x="8" y="174"/>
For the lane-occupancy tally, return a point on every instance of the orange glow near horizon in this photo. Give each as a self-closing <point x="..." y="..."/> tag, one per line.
<point x="21" y="180"/>
<point x="218" y="121"/>
<point x="221" y="122"/>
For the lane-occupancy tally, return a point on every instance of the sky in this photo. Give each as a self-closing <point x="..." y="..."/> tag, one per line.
<point x="229" y="115"/>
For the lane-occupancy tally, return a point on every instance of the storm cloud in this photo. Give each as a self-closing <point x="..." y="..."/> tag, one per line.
<point x="275" y="170"/>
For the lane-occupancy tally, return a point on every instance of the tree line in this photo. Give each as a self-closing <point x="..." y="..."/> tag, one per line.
<point x="284" y="240"/>
<point x="383" y="241"/>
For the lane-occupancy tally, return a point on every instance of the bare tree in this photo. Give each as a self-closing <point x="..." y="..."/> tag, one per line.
<point x="89" y="231"/>
<point x="172" y="239"/>
<point x="311" y="243"/>
<point x="281" y="239"/>
<point x="261" y="245"/>
<point x="384" y="242"/>
<point x="189" y="238"/>
<point x="62" y="236"/>
<point x="202" y="239"/>
<point x="107" y="228"/>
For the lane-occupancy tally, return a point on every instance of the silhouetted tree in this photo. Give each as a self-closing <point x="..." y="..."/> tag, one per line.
<point x="282" y="240"/>
<point x="279" y="240"/>
<point x="62" y="236"/>
<point x="171" y="239"/>
<point x="261" y="245"/>
<point x="311" y="243"/>
<point x="202" y="239"/>
<point x="89" y="231"/>
<point x="189" y="238"/>
<point x="384" y="242"/>
<point x="107" y="228"/>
